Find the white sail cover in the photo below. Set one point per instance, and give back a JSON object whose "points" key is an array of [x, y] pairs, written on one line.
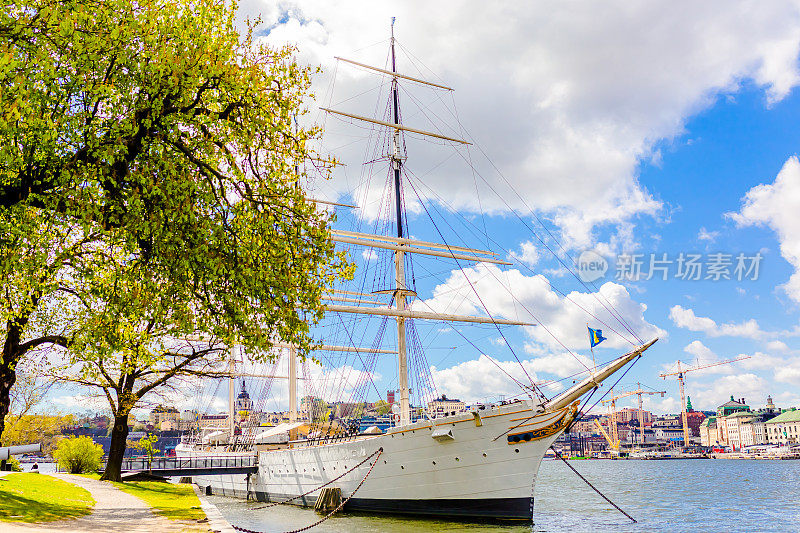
{"points": [[277, 430]]}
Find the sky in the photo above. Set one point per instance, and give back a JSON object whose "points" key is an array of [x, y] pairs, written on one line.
{"points": [[614, 133]]}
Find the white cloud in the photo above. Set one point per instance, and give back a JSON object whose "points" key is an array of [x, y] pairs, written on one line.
{"points": [[528, 255], [369, 254], [709, 236], [700, 351], [775, 206], [512, 295], [777, 346], [749, 386], [686, 318], [658, 405], [82, 402], [481, 379], [578, 94]]}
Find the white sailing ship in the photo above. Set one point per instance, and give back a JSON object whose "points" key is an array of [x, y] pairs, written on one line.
{"points": [[477, 464]]}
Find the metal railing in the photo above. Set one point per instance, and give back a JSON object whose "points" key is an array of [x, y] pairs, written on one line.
{"points": [[188, 463]]}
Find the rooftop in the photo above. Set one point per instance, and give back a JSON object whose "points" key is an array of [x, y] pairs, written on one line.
{"points": [[732, 403], [788, 416], [740, 414]]}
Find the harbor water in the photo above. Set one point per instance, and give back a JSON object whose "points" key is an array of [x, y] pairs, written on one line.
{"points": [[663, 496]]}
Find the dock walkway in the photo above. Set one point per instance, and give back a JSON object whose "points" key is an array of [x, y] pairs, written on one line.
{"points": [[114, 512]]}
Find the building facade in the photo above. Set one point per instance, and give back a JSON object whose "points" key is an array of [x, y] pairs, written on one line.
{"points": [[444, 405], [784, 428]]}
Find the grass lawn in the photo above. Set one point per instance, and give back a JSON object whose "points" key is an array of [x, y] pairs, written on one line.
{"points": [[176, 502], [39, 498]]}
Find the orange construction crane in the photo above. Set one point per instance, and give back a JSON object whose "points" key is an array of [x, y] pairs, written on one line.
{"points": [[639, 392], [680, 373]]}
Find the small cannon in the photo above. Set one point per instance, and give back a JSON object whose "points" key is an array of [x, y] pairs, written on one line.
{"points": [[7, 451]]}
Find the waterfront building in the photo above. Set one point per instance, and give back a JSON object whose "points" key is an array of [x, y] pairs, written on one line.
{"points": [[734, 423], [668, 434], [737, 426], [188, 414], [708, 431], [753, 433], [161, 413], [630, 414], [784, 428], [444, 406], [176, 425], [634, 436], [732, 406], [312, 407]]}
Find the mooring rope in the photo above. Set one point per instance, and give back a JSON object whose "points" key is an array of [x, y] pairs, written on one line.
{"points": [[337, 478], [592, 486], [340, 506]]}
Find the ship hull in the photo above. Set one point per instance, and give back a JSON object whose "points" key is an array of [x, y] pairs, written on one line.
{"points": [[467, 466]]}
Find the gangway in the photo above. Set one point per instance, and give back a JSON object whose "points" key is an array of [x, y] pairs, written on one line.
{"points": [[192, 466]]}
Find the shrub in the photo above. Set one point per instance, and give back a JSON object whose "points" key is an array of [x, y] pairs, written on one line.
{"points": [[77, 455], [14, 462]]}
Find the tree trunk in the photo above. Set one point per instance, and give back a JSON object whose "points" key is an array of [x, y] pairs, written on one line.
{"points": [[7, 379], [119, 441], [8, 374]]}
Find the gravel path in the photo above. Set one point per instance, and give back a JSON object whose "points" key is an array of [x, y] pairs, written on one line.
{"points": [[114, 512]]}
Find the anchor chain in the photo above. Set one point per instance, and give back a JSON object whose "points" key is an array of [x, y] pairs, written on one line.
{"points": [[339, 508]]}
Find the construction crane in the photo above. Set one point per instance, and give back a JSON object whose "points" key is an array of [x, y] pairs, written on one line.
{"points": [[639, 392], [681, 376], [614, 444], [612, 419]]}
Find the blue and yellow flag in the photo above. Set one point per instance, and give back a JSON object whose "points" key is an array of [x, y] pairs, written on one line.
{"points": [[595, 337]]}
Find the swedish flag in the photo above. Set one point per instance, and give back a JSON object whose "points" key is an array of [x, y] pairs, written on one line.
{"points": [[595, 337]]}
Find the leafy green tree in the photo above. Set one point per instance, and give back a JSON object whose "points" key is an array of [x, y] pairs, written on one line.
{"points": [[321, 412], [42, 265], [78, 455], [147, 445], [27, 429], [382, 407], [159, 130]]}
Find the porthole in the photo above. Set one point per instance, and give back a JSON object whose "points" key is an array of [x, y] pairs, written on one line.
{"points": [[457, 459], [516, 450], [484, 454], [402, 467]]}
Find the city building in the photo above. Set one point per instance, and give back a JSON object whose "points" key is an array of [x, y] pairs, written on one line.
{"points": [[629, 414], [734, 423], [312, 407], [161, 413], [784, 428], [708, 431], [243, 404], [737, 426], [443, 405]]}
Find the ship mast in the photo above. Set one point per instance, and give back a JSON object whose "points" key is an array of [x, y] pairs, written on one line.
{"points": [[399, 255], [402, 244]]}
